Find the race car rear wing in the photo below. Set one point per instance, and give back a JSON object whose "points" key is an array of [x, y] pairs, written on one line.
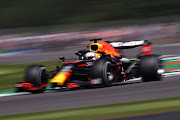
{"points": [[146, 46], [131, 44]]}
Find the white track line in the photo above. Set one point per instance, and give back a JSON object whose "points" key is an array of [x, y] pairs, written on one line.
{"points": [[170, 58], [165, 56], [171, 74], [13, 94]]}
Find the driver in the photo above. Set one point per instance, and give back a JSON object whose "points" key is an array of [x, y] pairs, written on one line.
{"points": [[92, 55]]}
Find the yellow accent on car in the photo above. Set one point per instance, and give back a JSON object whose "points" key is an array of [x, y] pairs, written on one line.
{"points": [[60, 78], [99, 47]]}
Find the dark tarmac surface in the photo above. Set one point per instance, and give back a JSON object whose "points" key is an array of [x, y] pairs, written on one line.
{"points": [[160, 116], [169, 87]]}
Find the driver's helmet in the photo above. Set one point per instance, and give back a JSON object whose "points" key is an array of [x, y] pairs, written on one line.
{"points": [[92, 56]]}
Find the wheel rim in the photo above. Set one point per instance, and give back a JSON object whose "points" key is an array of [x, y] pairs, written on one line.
{"points": [[160, 69], [44, 76], [41, 78], [109, 73]]}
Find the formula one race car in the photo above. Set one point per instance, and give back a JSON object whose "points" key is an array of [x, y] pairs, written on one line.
{"points": [[103, 64]]}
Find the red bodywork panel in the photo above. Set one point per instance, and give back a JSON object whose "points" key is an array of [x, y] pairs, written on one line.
{"points": [[71, 62], [29, 86], [81, 65], [72, 85], [146, 50]]}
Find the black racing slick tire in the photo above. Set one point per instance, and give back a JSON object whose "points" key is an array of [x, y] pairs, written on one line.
{"points": [[103, 69], [150, 68], [37, 75]]}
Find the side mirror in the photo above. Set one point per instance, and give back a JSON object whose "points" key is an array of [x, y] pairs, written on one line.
{"points": [[62, 58]]}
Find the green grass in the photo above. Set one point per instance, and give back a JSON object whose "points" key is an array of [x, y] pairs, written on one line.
{"points": [[12, 73], [104, 111], [28, 13]]}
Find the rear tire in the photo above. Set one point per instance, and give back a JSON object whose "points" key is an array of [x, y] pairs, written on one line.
{"points": [[103, 69], [37, 75], [150, 67]]}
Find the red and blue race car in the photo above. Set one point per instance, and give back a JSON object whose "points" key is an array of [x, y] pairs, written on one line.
{"points": [[102, 65]]}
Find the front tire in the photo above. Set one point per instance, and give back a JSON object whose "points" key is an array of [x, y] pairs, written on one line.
{"points": [[37, 75]]}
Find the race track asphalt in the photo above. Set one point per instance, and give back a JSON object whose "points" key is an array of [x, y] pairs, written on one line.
{"points": [[169, 87]]}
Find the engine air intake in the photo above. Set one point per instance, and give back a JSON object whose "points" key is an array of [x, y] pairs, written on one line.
{"points": [[94, 47]]}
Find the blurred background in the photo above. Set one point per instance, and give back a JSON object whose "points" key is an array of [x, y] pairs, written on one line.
{"points": [[49, 26], [39, 31]]}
